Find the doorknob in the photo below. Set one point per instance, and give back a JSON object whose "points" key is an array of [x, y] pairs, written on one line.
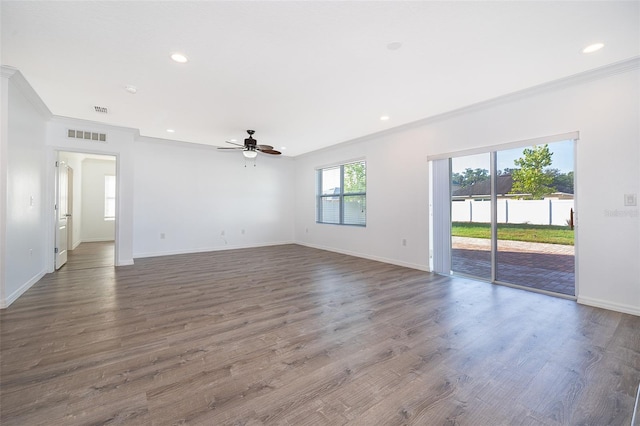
{"points": [[67, 215]]}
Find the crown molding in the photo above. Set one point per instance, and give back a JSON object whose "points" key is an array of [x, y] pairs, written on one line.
{"points": [[94, 125], [15, 76], [621, 67], [572, 80]]}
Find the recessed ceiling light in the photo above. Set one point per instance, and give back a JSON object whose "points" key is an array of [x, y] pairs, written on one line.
{"points": [[283, 148], [384, 118], [593, 48], [131, 89], [179, 57], [394, 46], [171, 131]]}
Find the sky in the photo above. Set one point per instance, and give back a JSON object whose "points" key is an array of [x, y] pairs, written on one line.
{"points": [[562, 158]]}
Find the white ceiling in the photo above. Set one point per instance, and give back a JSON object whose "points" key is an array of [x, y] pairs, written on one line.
{"points": [[304, 75]]}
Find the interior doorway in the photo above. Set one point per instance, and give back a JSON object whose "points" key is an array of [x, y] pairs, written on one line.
{"points": [[86, 213]]}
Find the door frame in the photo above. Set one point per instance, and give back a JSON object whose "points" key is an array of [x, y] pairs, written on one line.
{"points": [[440, 242], [52, 188], [60, 165]]}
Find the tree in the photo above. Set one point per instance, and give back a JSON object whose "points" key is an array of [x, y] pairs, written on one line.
{"points": [[530, 178], [506, 171], [355, 177], [562, 182], [470, 176]]}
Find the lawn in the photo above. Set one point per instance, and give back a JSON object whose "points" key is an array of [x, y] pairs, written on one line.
{"points": [[515, 232]]}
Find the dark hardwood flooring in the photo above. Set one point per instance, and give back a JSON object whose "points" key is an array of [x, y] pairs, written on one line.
{"points": [[291, 335], [90, 256]]}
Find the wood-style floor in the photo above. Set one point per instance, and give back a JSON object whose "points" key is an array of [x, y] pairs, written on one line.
{"points": [[291, 335]]}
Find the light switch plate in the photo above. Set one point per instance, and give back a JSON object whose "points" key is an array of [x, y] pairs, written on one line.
{"points": [[630, 200]]}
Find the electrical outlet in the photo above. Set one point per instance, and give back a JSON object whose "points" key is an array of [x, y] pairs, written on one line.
{"points": [[222, 233], [242, 232], [162, 236], [630, 200], [404, 242]]}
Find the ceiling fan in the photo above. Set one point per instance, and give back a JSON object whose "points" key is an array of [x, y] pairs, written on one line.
{"points": [[251, 148]]}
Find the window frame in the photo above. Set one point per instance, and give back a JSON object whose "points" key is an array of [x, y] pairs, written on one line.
{"points": [[341, 196], [107, 198]]}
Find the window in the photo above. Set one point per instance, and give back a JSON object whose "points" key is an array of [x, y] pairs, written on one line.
{"points": [[109, 197], [342, 194]]}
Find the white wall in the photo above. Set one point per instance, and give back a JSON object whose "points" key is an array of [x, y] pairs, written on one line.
{"points": [[193, 193], [24, 249], [602, 105], [119, 144], [397, 202], [94, 227]]}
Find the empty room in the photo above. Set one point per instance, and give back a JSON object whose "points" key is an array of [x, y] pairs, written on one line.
{"points": [[320, 213]]}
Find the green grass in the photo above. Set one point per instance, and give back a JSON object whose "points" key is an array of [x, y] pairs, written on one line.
{"points": [[516, 232]]}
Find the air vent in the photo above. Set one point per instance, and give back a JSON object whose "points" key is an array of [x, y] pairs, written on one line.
{"points": [[101, 110], [86, 135]]}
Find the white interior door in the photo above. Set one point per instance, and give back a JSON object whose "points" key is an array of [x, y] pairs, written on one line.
{"points": [[62, 208]]}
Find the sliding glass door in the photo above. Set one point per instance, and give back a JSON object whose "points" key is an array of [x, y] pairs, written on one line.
{"points": [[471, 215], [512, 216], [535, 232]]}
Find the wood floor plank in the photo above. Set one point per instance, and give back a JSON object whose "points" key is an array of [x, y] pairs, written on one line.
{"points": [[297, 336]]}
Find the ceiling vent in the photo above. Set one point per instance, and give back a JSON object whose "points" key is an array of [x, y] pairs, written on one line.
{"points": [[101, 110], [89, 136]]}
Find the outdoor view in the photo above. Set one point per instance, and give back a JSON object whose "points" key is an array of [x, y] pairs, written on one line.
{"points": [[342, 194], [534, 206]]}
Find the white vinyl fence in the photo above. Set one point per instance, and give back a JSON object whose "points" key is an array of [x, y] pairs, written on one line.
{"points": [[535, 212]]}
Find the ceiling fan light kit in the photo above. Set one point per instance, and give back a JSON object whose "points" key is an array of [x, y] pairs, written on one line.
{"points": [[249, 153], [251, 148]]}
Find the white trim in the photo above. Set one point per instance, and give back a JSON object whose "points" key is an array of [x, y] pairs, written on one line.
{"points": [[25, 88], [618, 307], [636, 408], [4, 151], [51, 187], [572, 80], [341, 163], [509, 145], [98, 240], [72, 123], [208, 249], [419, 267], [24, 287]]}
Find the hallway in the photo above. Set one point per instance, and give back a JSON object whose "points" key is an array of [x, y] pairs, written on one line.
{"points": [[90, 256]]}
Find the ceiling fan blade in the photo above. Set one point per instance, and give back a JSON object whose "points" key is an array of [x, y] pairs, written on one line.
{"points": [[270, 151], [225, 147], [264, 147], [236, 144]]}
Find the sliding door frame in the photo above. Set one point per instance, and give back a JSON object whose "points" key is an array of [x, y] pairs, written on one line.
{"points": [[441, 236]]}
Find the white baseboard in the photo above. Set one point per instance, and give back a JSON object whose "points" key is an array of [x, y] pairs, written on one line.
{"points": [[207, 249], [370, 257], [24, 287], [635, 418], [604, 304], [96, 240]]}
